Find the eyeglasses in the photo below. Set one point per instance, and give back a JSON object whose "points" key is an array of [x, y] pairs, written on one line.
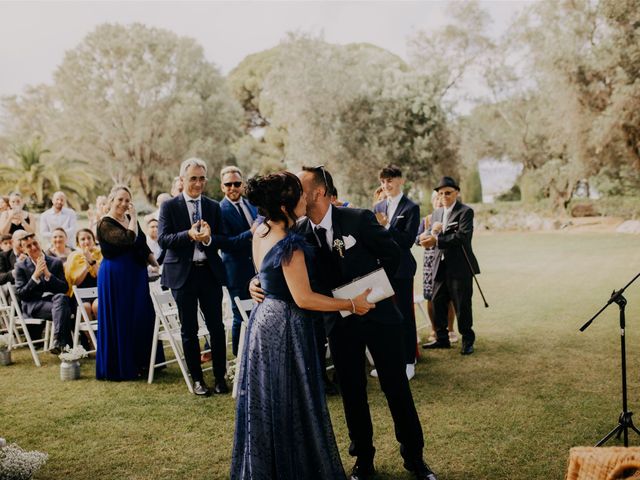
{"points": [[447, 193], [324, 176], [235, 184], [197, 179]]}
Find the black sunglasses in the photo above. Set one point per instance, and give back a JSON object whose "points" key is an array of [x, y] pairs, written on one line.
{"points": [[235, 184], [324, 176]]}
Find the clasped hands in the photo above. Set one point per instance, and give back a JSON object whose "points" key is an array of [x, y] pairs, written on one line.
{"points": [[382, 218], [41, 269], [430, 240], [200, 232]]}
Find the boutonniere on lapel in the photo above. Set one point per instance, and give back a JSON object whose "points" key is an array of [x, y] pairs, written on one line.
{"points": [[338, 245]]}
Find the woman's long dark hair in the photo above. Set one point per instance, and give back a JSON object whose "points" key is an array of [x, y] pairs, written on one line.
{"points": [[271, 192]]}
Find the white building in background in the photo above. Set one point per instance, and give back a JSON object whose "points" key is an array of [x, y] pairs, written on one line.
{"points": [[497, 176]]}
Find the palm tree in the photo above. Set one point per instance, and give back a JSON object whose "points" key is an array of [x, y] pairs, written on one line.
{"points": [[38, 178]]}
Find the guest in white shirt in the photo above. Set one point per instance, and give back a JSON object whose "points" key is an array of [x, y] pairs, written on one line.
{"points": [[59, 216]]}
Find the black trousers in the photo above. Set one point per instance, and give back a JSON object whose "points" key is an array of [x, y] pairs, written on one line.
{"points": [[348, 340], [56, 308], [202, 287], [404, 301], [459, 290]]}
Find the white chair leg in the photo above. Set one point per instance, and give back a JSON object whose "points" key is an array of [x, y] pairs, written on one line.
{"points": [[154, 350]]}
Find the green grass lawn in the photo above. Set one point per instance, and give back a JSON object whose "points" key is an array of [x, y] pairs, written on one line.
{"points": [[535, 387]]}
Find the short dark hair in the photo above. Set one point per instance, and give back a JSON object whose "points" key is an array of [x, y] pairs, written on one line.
{"points": [[271, 192], [85, 230], [390, 171], [321, 178], [152, 220], [4, 237]]}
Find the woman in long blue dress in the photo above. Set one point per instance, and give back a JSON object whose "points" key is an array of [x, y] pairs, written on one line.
{"points": [[125, 311], [283, 428]]}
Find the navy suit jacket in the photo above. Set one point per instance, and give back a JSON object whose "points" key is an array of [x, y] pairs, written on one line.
{"points": [[236, 251], [173, 225], [374, 248], [29, 292], [403, 229], [455, 241]]}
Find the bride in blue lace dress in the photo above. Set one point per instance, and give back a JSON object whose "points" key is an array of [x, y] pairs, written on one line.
{"points": [[283, 428]]}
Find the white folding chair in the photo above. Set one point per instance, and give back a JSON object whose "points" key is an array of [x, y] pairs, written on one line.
{"points": [[167, 331], [18, 323], [245, 307], [83, 322], [5, 314], [227, 315]]}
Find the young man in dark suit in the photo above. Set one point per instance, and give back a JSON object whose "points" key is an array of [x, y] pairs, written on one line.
{"points": [[454, 265], [401, 217], [238, 216], [190, 226], [42, 289]]}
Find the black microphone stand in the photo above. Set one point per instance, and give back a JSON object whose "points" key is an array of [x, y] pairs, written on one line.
{"points": [[624, 421]]}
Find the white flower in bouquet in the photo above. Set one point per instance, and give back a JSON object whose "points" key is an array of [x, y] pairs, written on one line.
{"points": [[231, 371], [73, 354], [16, 464], [4, 341]]}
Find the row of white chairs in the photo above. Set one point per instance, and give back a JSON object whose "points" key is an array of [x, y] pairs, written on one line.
{"points": [[16, 324]]}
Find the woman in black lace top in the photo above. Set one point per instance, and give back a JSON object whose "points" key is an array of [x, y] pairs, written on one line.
{"points": [[125, 312]]}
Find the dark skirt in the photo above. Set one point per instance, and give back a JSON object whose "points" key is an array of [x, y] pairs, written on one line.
{"points": [[283, 428], [125, 319]]}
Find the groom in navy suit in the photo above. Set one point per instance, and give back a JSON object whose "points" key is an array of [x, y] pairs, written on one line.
{"points": [[401, 217], [238, 216], [190, 231]]}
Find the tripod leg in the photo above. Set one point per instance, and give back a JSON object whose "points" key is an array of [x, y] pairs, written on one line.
{"points": [[613, 432]]}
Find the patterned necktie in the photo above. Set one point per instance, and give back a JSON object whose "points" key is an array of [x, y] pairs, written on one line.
{"points": [[243, 218], [196, 217]]}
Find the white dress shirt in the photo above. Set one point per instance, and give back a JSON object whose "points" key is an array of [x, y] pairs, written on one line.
{"points": [[327, 224], [392, 206], [65, 218], [243, 208], [198, 255]]}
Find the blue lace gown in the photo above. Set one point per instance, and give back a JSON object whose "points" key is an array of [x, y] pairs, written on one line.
{"points": [[283, 428]]}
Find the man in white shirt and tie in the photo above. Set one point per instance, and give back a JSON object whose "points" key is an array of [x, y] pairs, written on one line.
{"points": [[190, 231], [401, 217], [454, 265], [238, 216]]}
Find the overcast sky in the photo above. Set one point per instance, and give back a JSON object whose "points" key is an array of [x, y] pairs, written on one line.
{"points": [[35, 35]]}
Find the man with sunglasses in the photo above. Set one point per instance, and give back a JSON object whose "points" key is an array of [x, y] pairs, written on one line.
{"points": [[238, 216], [454, 265]]}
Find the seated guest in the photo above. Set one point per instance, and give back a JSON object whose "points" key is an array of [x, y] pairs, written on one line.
{"points": [[334, 199], [9, 259], [81, 268], [152, 240], [58, 216], [16, 218], [5, 242], [95, 214], [42, 288], [163, 197], [4, 203], [58, 247]]}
